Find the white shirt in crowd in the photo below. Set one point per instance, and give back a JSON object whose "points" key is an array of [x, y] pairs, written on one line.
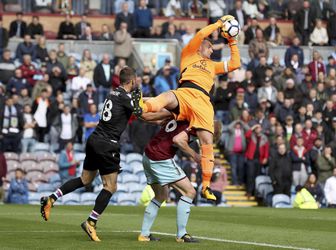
{"points": [[66, 133], [173, 4], [79, 83], [40, 115], [319, 36], [330, 190], [107, 70], [252, 10], [28, 132], [216, 8]]}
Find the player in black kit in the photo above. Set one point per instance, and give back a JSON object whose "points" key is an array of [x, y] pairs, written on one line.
{"points": [[102, 153]]}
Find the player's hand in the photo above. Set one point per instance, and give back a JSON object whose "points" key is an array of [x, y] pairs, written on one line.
{"points": [[232, 40], [224, 19], [197, 158]]}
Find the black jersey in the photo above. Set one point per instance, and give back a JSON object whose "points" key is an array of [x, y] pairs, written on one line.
{"points": [[115, 114]]}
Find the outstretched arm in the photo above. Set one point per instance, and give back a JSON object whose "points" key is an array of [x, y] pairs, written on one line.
{"points": [[157, 117], [181, 140]]}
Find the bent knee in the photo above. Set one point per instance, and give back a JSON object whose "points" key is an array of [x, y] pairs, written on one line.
{"points": [[112, 188], [191, 193]]}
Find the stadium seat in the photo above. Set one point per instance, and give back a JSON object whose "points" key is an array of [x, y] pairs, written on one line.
{"points": [[127, 178], [80, 156], [45, 156], [10, 176], [32, 173], [123, 188], [29, 165], [12, 165], [11, 156], [136, 188], [27, 157], [71, 199], [38, 178], [45, 187], [34, 198], [79, 148], [55, 180], [32, 187], [137, 167], [49, 166], [281, 201], [126, 168], [88, 198], [126, 198], [42, 147], [133, 157], [143, 179], [122, 158], [263, 186]]}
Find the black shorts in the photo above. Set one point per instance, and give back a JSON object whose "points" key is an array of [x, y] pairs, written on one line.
{"points": [[102, 155]]}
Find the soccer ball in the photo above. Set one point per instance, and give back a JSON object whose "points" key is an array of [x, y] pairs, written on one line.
{"points": [[231, 29]]}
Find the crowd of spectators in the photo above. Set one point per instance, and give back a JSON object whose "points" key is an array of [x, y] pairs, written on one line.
{"points": [[279, 119]]}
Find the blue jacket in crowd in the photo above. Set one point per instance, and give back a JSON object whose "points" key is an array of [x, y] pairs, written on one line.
{"points": [[18, 192], [143, 18]]}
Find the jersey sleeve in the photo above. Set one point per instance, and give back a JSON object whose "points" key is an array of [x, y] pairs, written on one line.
{"points": [[221, 67], [127, 103]]}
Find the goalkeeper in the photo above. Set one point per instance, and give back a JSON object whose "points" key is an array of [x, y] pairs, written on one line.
{"points": [[191, 101]]}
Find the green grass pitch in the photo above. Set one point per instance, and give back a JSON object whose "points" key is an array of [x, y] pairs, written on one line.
{"points": [[21, 227]]}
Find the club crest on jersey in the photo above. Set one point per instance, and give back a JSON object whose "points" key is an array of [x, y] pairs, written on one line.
{"points": [[171, 126], [202, 66]]}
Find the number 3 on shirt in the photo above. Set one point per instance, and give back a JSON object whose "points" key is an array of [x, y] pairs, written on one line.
{"points": [[107, 110]]}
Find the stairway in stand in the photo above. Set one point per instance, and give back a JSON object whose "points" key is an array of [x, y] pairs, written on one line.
{"points": [[235, 195]]}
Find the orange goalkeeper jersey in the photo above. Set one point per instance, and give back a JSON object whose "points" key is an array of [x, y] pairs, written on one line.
{"points": [[200, 70]]}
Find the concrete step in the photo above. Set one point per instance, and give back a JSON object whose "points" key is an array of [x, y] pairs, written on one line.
{"points": [[235, 192], [238, 198], [242, 203]]}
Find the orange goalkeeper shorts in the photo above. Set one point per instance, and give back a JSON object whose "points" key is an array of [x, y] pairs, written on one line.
{"points": [[195, 107]]}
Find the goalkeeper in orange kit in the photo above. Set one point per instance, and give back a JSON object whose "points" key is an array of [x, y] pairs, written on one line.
{"points": [[191, 101]]}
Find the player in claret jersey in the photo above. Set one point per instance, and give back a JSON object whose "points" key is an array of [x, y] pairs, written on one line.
{"points": [[162, 171]]}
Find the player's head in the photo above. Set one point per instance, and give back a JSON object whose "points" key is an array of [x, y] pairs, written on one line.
{"points": [[127, 77], [206, 48]]}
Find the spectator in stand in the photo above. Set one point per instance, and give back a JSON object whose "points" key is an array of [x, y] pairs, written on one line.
{"points": [[118, 5], [66, 29], [25, 98], [66, 126], [17, 82], [251, 30], [240, 15], [326, 164], [122, 43], [259, 73], [237, 105], [314, 188], [218, 180], [40, 50], [67, 163], [39, 85], [295, 49], [174, 8], [11, 124], [272, 33], [236, 147], [316, 66], [261, 119], [331, 27], [79, 83], [322, 9], [25, 47], [218, 45], [88, 64], [195, 8], [268, 91], [61, 55], [251, 9], [165, 81], [80, 27], [3, 36], [330, 190], [280, 171], [115, 78], [309, 134], [304, 22], [3, 173], [18, 189], [143, 20], [258, 47], [300, 162], [57, 80], [165, 25], [173, 33], [35, 28], [7, 67], [257, 154], [157, 32], [18, 27], [28, 70], [102, 77], [28, 138], [125, 17], [279, 9], [88, 36], [86, 98], [40, 110], [216, 9], [190, 34], [319, 36], [105, 34], [222, 101], [91, 121], [277, 68], [251, 97]]}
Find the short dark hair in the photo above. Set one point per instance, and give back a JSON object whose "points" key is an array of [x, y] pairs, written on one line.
{"points": [[126, 75]]}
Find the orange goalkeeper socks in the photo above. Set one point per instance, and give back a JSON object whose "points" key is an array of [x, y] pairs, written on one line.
{"points": [[207, 164]]}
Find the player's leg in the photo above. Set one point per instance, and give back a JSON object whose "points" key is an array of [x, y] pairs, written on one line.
{"points": [[166, 100], [188, 192], [207, 162], [68, 187], [151, 212], [102, 200]]}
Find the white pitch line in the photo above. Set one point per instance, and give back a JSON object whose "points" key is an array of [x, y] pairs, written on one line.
{"points": [[169, 234]]}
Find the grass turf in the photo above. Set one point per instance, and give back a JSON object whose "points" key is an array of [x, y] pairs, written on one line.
{"points": [[21, 227]]}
